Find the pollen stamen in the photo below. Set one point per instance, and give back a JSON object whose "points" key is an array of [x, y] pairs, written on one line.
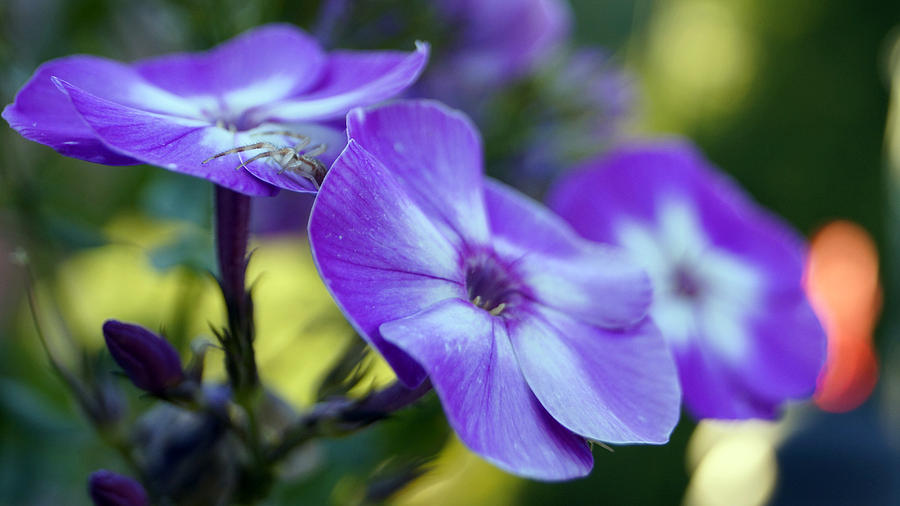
{"points": [[497, 310], [490, 285]]}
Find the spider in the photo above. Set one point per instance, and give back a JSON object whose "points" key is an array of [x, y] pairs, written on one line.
{"points": [[289, 159]]}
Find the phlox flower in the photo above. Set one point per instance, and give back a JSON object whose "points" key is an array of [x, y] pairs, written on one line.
{"points": [[534, 339], [273, 87], [727, 275], [496, 42]]}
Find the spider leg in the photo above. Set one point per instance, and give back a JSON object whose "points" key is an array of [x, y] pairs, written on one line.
{"points": [[306, 174], [304, 139], [284, 164], [316, 151], [316, 170], [255, 158], [284, 133], [249, 147], [313, 180], [295, 166]]}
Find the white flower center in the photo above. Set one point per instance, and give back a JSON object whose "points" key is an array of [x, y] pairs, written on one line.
{"points": [[702, 292]]}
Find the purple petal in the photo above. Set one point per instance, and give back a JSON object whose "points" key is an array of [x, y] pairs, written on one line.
{"points": [[525, 223], [787, 352], [435, 153], [711, 391], [171, 142], [269, 63], [602, 286], [624, 183], [615, 386], [44, 114], [598, 284], [378, 253], [351, 79], [471, 363], [631, 181], [286, 213]]}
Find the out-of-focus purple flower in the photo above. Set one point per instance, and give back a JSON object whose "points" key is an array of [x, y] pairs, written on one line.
{"points": [[595, 89], [533, 338], [286, 213], [496, 41], [587, 101], [273, 87], [727, 275], [107, 488], [150, 361], [331, 14]]}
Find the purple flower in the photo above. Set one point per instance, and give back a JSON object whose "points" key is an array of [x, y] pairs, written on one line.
{"points": [[596, 91], [286, 213], [533, 338], [582, 110], [149, 361], [107, 488], [727, 274], [497, 41], [272, 88]]}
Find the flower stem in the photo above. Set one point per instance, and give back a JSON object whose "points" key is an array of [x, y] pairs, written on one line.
{"points": [[232, 232], [232, 223]]}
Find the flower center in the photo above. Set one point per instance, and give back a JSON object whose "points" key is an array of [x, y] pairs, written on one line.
{"points": [[489, 284], [233, 119], [229, 121], [685, 283]]}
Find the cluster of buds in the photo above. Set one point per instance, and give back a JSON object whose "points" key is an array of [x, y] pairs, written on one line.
{"points": [[204, 444]]}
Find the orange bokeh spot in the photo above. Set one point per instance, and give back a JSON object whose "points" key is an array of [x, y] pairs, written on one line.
{"points": [[842, 284]]}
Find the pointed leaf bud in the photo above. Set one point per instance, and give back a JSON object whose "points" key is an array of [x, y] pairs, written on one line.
{"points": [[150, 361], [107, 488]]}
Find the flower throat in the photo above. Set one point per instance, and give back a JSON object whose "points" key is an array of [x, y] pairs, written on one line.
{"points": [[489, 285]]}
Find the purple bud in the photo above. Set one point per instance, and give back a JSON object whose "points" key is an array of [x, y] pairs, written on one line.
{"points": [[107, 488], [150, 361]]}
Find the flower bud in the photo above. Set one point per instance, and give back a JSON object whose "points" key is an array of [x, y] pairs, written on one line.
{"points": [[107, 488], [150, 361], [188, 457]]}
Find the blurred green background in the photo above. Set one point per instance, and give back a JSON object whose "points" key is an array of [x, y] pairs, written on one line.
{"points": [[789, 96]]}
